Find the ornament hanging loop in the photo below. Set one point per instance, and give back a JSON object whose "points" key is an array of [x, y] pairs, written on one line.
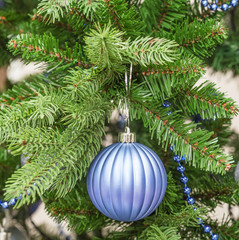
{"points": [[128, 86]]}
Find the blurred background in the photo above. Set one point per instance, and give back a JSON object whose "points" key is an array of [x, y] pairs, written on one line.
{"points": [[32, 222]]}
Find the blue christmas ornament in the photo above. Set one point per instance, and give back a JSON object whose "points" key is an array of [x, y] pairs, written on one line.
{"points": [[126, 181]]}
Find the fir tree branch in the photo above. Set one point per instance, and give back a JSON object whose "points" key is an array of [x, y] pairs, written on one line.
{"points": [[53, 10], [124, 17], [165, 81], [164, 233], [116, 19], [214, 190], [49, 167], [105, 48], [78, 138], [17, 94], [206, 101], [186, 216], [39, 48], [74, 206], [152, 51], [200, 38], [162, 14], [227, 230], [198, 147], [11, 120], [40, 18]]}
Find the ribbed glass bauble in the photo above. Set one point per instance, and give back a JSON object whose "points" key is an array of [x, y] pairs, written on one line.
{"points": [[126, 181]]}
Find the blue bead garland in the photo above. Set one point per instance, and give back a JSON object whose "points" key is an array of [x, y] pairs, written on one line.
{"points": [[187, 191], [184, 179], [214, 6], [12, 201]]}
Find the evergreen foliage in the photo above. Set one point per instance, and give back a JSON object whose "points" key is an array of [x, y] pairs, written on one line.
{"points": [[57, 119], [226, 55], [13, 17]]}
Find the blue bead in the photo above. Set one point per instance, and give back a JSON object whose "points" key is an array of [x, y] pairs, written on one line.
{"points": [[204, 3], [194, 209], [213, 7], [200, 221], [190, 200], [184, 179], [170, 112], [181, 169], [207, 229], [234, 3], [171, 148], [183, 158], [214, 237], [4, 205], [176, 158], [187, 190], [12, 202], [224, 7], [166, 104]]}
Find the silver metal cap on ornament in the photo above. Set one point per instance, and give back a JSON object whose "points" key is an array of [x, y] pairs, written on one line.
{"points": [[127, 136]]}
